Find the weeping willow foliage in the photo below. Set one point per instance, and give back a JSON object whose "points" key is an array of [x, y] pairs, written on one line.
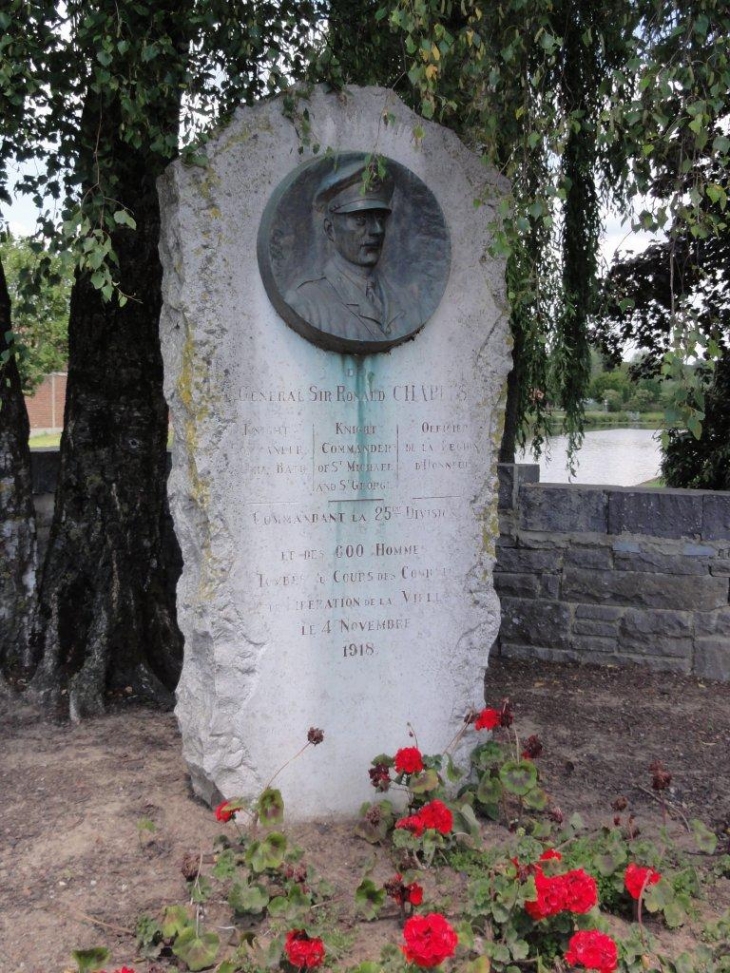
{"points": [[584, 106]]}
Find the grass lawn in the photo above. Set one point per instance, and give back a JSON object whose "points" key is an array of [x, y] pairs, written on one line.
{"points": [[45, 440]]}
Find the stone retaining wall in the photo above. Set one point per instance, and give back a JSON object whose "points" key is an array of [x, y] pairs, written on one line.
{"points": [[612, 575]]}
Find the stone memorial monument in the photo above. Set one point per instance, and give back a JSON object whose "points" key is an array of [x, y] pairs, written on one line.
{"points": [[335, 344]]}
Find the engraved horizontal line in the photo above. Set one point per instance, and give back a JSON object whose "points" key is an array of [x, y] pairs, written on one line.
{"points": [[446, 496], [358, 500]]}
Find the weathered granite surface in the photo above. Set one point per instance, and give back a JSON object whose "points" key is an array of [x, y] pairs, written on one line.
{"points": [[336, 513]]}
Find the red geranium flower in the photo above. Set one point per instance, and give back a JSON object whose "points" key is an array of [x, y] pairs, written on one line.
{"points": [[402, 894], [302, 951], [580, 891], [429, 940], [434, 815], [414, 893], [488, 719], [224, 812], [408, 760], [550, 854], [437, 816], [412, 823], [637, 879], [594, 950], [550, 896]]}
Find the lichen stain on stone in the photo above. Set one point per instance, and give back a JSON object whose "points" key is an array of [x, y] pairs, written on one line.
{"points": [[198, 405], [245, 135]]}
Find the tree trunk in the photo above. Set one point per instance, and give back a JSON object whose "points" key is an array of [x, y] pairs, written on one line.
{"points": [[18, 552], [107, 600]]}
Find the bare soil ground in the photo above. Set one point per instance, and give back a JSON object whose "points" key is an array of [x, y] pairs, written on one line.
{"points": [[95, 819]]}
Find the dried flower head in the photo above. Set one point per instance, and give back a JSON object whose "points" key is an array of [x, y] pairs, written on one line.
{"points": [[660, 776], [620, 804], [533, 747], [555, 814], [380, 777], [190, 866], [315, 735], [506, 713]]}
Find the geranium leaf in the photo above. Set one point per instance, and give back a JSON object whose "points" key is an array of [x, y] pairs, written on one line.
{"points": [[424, 782], [536, 799], [518, 776], [248, 898], [453, 773], [198, 951], [369, 899], [91, 959], [271, 807], [267, 854], [175, 918], [705, 839], [490, 789]]}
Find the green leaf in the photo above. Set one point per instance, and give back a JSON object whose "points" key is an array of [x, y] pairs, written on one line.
{"points": [[453, 773], [490, 789], [369, 899], [536, 799], [270, 808], [465, 821], [175, 919], [705, 840], [267, 854], [427, 780], [518, 776], [124, 218], [291, 905], [248, 899], [91, 959], [198, 951]]}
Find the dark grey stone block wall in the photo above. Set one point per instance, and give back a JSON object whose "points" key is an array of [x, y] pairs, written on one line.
{"points": [[614, 575]]}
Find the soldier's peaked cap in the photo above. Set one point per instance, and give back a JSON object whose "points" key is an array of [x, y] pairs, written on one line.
{"points": [[351, 188]]}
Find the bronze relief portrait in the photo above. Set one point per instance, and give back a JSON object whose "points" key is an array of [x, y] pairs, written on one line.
{"points": [[354, 254]]}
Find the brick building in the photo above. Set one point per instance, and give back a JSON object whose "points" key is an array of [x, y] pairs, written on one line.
{"points": [[45, 406]]}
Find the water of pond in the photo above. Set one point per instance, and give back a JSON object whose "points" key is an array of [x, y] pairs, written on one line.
{"points": [[616, 457]]}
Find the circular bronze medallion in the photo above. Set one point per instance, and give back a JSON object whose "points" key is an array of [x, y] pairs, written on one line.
{"points": [[354, 252]]}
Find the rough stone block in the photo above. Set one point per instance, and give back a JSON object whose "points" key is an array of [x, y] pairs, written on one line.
{"points": [[563, 508], [545, 623], [550, 586], [642, 589], [656, 633], [511, 477], [591, 626], [712, 623], [650, 561], [661, 663], [716, 516], [516, 585], [720, 568], [604, 613], [520, 559], [595, 558], [595, 645], [513, 650], [657, 513], [712, 659]]}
